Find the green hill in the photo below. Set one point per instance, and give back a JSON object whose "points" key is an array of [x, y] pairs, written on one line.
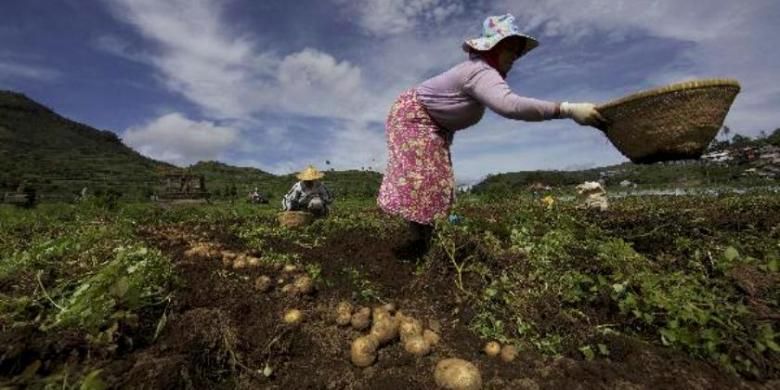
{"points": [[744, 155], [58, 157]]}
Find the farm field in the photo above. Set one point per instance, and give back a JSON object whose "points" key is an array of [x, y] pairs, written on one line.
{"points": [[673, 292]]}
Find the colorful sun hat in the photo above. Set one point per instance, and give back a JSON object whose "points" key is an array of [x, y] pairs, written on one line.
{"points": [[494, 30], [310, 173]]}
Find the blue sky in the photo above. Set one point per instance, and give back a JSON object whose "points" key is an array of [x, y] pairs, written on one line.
{"points": [[281, 84]]}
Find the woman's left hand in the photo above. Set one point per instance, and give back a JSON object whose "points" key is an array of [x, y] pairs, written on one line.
{"points": [[584, 114]]}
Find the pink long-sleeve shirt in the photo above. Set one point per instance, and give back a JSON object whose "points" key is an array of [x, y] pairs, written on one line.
{"points": [[456, 99]]}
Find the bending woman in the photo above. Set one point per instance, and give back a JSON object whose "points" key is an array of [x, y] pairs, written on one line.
{"points": [[418, 183]]}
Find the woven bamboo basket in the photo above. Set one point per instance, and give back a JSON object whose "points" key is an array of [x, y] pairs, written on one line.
{"points": [[295, 218], [674, 122]]}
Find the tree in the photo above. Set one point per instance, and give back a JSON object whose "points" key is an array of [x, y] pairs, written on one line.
{"points": [[774, 138], [740, 140]]}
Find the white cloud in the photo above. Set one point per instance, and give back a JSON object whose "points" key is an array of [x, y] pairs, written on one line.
{"points": [[389, 17], [11, 70], [224, 72], [529, 147], [723, 38], [179, 140], [230, 74], [693, 20]]}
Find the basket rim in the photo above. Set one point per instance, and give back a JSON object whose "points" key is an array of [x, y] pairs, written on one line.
{"points": [[682, 86]]}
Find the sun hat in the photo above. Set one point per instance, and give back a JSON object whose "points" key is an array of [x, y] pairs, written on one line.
{"points": [[310, 173], [494, 30]]}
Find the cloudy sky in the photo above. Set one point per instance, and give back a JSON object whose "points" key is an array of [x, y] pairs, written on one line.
{"points": [[279, 84]]}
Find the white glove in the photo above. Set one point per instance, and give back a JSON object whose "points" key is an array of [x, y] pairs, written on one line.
{"points": [[582, 113]]}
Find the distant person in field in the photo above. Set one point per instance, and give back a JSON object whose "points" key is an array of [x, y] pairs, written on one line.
{"points": [[418, 182], [309, 194]]}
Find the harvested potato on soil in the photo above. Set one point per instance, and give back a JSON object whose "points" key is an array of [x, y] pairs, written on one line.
{"points": [[361, 319], [239, 263], [288, 288], [416, 345], [492, 349], [290, 268], [253, 262], [457, 374], [293, 317], [390, 307], [385, 330], [409, 327], [431, 337], [508, 353], [344, 313], [363, 352], [379, 313], [303, 285], [263, 283]]}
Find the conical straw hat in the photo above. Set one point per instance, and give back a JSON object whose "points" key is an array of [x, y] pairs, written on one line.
{"points": [[310, 173]]}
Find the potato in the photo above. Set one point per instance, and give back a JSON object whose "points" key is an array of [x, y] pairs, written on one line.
{"points": [[196, 250], [390, 307], [431, 337], [303, 285], [289, 268], [363, 351], [416, 345], [361, 319], [293, 317], [457, 374], [263, 283], [239, 263], [409, 327], [227, 262], [492, 349], [385, 330], [253, 262], [344, 313], [379, 313], [508, 353], [288, 289], [229, 254]]}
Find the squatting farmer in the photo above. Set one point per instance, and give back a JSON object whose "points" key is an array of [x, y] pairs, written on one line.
{"points": [[418, 182], [309, 194]]}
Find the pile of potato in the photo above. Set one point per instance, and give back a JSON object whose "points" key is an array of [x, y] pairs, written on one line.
{"points": [[508, 352], [386, 326]]}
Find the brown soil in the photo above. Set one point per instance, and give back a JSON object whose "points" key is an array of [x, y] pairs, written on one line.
{"points": [[222, 333]]}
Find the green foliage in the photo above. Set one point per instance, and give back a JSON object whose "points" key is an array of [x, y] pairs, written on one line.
{"points": [[136, 277], [675, 271], [567, 275]]}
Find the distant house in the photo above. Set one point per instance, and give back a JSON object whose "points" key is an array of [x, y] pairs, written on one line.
{"points": [[183, 186], [465, 187], [749, 153], [539, 187], [627, 183], [718, 157]]}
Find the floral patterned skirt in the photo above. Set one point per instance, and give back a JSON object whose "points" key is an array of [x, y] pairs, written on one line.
{"points": [[418, 183]]}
